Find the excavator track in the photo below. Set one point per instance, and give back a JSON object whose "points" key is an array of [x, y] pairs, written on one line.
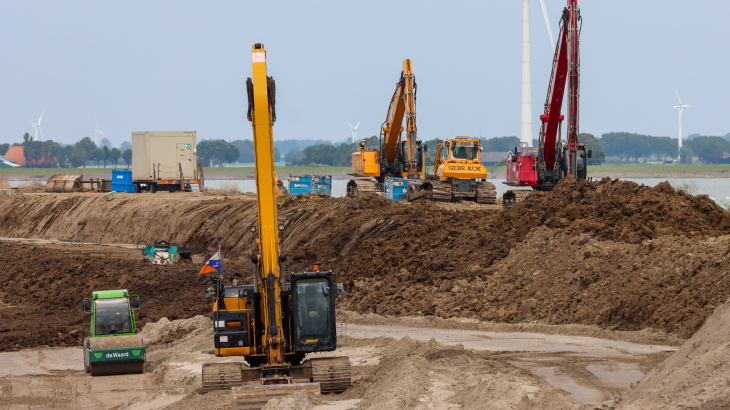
{"points": [[440, 191], [332, 373], [511, 197], [221, 376], [486, 193], [357, 187]]}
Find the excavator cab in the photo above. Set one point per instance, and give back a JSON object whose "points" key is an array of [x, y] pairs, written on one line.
{"points": [[581, 164], [313, 311], [464, 150], [583, 155]]}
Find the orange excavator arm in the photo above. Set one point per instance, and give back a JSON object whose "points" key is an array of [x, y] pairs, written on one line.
{"points": [[402, 104], [409, 97]]}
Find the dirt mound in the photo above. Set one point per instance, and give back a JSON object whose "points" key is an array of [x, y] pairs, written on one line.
{"points": [[624, 211], [671, 284], [594, 265], [695, 376], [43, 286]]}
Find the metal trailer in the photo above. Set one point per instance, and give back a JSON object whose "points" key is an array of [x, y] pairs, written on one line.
{"points": [[166, 161]]}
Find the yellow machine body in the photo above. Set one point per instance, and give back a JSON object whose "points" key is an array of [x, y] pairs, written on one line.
{"points": [[459, 158]]}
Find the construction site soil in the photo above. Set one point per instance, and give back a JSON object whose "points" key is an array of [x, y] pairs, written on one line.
{"points": [[652, 263], [609, 253]]}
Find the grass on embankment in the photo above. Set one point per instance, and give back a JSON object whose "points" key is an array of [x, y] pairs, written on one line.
{"points": [[594, 170], [674, 168]]}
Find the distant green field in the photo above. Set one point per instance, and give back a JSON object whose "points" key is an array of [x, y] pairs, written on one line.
{"points": [[604, 169], [656, 169], [280, 170], [593, 170], [206, 170], [51, 171]]}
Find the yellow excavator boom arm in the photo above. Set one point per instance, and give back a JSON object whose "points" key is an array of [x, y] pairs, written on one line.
{"points": [[268, 281]]}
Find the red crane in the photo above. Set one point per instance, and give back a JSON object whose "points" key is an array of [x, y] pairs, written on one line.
{"points": [[542, 167]]}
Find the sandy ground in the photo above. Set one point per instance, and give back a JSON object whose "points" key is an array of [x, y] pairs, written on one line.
{"points": [[394, 366]]}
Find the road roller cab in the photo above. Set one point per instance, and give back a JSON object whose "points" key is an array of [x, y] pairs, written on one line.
{"points": [[113, 347]]}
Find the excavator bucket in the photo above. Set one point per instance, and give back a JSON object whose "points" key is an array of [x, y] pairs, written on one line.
{"points": [[511, 197], [114, 355]]}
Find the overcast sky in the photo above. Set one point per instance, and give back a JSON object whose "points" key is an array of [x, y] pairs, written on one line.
{"points": [[182, 65]]}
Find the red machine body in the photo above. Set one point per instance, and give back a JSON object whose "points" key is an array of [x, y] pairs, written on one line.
{"points": [[542, 167]]}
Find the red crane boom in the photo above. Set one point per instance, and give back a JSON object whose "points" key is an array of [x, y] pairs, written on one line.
{"points": [[542, 167]]}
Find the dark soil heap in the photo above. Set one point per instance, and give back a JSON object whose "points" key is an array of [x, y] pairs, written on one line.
{"points": [[423, 259], [608, 253]]}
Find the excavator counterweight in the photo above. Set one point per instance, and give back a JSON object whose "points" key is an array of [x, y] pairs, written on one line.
{"points": [[273, 323]]}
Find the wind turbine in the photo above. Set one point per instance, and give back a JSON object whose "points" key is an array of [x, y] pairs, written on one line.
{"points": [[37, 126], [354, 131], [96, 130], [526, 117], [680, 107]]}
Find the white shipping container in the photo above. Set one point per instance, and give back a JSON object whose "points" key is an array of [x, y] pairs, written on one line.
{"points": [[160, 154]]}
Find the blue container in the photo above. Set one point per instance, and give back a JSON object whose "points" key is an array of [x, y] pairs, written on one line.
{"points": [[322, 184], [300, 185], [122, 180], [396, 189]]}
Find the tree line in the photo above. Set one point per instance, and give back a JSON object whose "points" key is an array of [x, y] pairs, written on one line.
{"points": [[628, 146], [51, 154]]}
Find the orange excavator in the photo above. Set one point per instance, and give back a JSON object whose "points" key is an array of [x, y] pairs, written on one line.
{"points": [[393, 159]]}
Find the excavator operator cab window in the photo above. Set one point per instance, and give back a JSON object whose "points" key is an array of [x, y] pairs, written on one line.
{"points": [[313, 305], [581, 169], [111, 316], [466, 150]]}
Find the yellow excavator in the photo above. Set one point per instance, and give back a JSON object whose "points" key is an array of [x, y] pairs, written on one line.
{"points": [[458, 175], [273, 323], [393, 158]]}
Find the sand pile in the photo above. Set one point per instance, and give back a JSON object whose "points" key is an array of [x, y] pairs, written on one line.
{"points": [[300, 400], [416, 375], [697, 376]]}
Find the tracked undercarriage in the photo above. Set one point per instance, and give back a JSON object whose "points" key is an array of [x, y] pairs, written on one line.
{"points": [[362, 186], [331, 373], [481, 192]]}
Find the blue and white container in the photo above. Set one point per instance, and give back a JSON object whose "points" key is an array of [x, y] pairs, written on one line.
{"points": [[396, 189], [322, 184], [122, 180], [300, 185]]}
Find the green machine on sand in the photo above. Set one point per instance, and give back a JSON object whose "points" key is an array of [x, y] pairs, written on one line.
{"points": [[113, 347]]}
